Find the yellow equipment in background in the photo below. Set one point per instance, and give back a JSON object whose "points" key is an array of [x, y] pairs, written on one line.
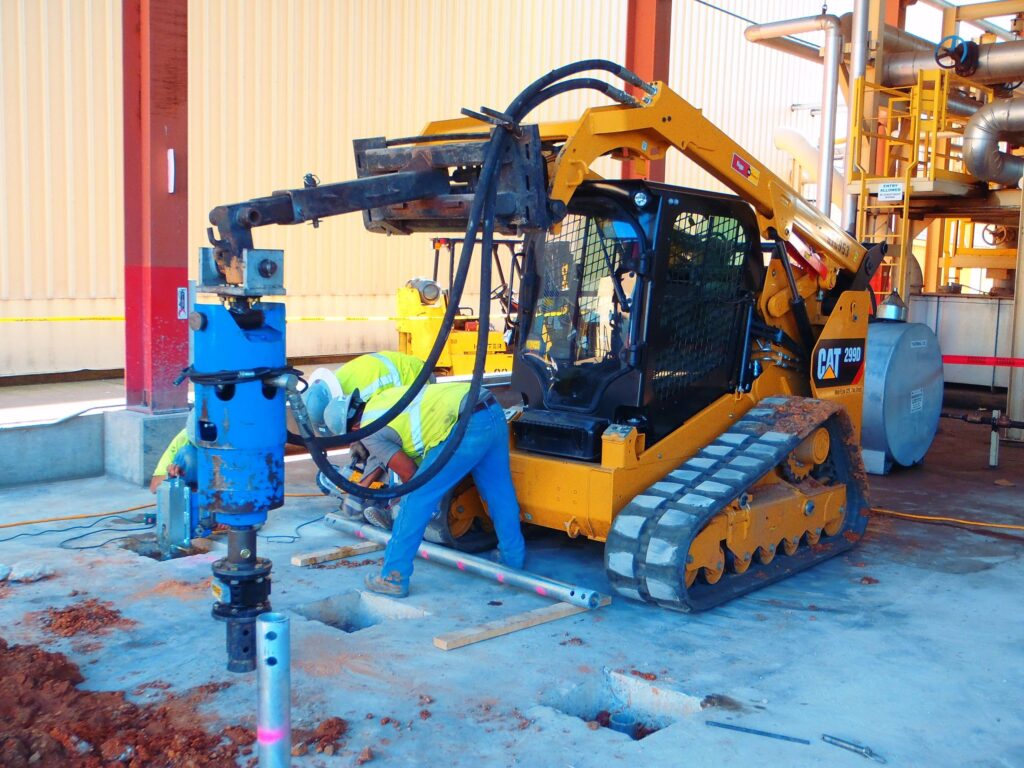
{"points": [[422, 303]]}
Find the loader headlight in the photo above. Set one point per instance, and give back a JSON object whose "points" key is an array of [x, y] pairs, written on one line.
{"points": [[640, 199], [428, 290]]}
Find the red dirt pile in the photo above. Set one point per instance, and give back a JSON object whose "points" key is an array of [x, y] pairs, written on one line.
{"points": [[46, 720], [326, 738], [90, 617]]}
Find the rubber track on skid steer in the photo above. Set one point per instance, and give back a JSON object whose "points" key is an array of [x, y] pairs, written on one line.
{"points": [[647, 546]]}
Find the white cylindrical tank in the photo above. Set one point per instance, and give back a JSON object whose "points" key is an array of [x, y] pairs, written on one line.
{"points": [[902, 395]]}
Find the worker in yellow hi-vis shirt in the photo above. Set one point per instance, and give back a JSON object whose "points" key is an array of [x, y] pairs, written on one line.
{"points": [[178, 460], [358, 380], [349, 388]]}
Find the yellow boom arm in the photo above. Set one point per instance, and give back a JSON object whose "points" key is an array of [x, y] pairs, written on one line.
{"points": [[668, 121]]}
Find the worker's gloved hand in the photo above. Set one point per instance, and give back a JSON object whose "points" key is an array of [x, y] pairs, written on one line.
{"points": [[173, 470], [358, 453]]}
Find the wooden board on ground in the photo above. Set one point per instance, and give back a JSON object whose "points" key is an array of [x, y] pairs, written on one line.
{"points": [[336, 553], [451, 640]]}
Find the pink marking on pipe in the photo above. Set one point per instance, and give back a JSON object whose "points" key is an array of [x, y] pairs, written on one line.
{"points": [[541, 591], [360, 534], [270, 735], [424, 554], [501, 578], [461, 565]]}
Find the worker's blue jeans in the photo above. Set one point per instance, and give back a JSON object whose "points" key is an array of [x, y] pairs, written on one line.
{"points": [[483, 453]]}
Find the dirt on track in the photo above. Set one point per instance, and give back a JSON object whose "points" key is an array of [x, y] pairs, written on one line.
{"points": [[45, 720]]}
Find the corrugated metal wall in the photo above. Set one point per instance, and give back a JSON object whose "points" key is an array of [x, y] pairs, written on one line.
{"points": [[61, 218], [337, 71], [747, 90], [279, 89]]}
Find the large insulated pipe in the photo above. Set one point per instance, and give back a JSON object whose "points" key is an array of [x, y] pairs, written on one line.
{"points": [[531, 582], [796, 145], [998, 121], [274, 690], [997, 63], [833, 54], [858, 69]]}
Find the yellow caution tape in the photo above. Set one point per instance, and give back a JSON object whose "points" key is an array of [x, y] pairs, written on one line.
{"points": [[302, 319], [352, 318], [68, 319]]}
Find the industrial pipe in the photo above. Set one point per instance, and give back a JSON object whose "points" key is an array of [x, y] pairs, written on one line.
{"points": [[274, 684], [1000, 120], [794, 47], [833, 55], [796, 145], [997, 63], [858, 69], [531, 582], [982, 24]]}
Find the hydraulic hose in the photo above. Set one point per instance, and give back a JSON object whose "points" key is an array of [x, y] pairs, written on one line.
{"points": [[488, 176], [580, 83], [451, 444], [515, 109], [481, 217]]}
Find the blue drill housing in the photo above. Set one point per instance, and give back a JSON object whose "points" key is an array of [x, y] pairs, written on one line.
{"points": [[240, 427]]}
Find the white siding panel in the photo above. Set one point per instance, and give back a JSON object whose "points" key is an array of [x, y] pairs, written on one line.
{"points": [[280, 88]]}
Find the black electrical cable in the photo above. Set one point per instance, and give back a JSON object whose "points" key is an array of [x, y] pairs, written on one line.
{"points": [[277, 538], [69, 528], [103, 543], [63, 544]]}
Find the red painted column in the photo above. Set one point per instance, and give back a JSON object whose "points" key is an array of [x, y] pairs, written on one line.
{"points": [[155, 39], [648, 40]]}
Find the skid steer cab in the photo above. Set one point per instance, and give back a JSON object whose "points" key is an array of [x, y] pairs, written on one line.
{"points": [[663, 415]]}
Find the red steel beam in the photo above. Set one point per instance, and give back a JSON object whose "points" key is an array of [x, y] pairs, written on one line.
{"points": [[648, 40], [155, 47]]}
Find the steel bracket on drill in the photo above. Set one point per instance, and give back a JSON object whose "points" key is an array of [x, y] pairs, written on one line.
{"points": [[256, 272]]}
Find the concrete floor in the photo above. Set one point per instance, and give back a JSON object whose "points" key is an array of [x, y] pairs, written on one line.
{"points": [[910, 644]]}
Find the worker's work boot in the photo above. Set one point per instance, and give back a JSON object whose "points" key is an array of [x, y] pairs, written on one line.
{"points": [[392, 585], [379, 515]]}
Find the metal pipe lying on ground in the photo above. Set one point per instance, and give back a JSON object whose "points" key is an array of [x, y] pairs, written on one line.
{"points": [[274, 683], [531, 582]]}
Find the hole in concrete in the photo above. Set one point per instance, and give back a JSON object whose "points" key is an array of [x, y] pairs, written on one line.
{"points": [[353, 611], [145, 545], [624, 703]]}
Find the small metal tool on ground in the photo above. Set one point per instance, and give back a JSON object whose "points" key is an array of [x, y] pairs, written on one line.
{"points": [[756, 732], [849, 745]]}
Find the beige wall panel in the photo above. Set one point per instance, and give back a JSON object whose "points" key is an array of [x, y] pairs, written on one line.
{"points": [[287, 92], [279, 88], [747, 90], [60, 195]]}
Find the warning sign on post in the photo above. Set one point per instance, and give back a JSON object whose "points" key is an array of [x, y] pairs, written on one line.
{"points": [[890, 192]]}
